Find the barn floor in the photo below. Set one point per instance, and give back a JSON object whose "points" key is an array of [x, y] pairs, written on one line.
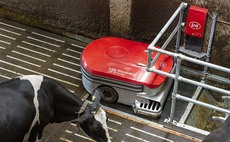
{"points": [[27, 50]]}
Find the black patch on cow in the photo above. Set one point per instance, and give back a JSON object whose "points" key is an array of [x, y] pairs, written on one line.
{"points": [[220, 134], [16, 109], [94, 129]]}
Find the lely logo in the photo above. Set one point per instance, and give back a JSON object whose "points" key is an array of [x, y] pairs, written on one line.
{"points": [[194, 25]]}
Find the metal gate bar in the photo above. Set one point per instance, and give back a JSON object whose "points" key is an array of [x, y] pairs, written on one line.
{"points": [[183, 79], [180, 10], [179, 57]]}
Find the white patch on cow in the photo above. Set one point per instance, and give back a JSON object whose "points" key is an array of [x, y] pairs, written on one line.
{"points": [[38, 140], [36, 82], [101, 117]]}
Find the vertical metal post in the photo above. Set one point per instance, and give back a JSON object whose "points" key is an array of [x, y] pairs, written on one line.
{"points": [[149, 59], [210, 40], [175, 88], [179, 30]]}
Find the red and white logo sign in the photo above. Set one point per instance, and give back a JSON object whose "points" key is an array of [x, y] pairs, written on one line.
{"points": [[163, 64], [194, 25]]}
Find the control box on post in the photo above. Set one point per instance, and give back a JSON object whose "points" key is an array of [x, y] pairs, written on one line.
{"points": [[195, 28]]}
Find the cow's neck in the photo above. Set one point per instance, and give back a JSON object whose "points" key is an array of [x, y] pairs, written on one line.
{"points": [[67, 105]]}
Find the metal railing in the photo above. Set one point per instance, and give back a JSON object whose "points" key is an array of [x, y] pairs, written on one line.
{"points": [[178, 59]]}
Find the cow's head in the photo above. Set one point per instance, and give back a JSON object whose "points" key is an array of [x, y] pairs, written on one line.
{"points": [[93, 120]]}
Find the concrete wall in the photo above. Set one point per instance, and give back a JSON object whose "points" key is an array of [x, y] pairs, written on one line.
{"points": [[120, 11], [149, 16], [139, 20], [88, 17]]}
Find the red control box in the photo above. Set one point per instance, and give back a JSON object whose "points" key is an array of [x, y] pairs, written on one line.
{"points": [[196, 20]]}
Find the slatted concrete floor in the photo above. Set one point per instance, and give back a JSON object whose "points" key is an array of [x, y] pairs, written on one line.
{"points": [[27, 50], [24, 50]]}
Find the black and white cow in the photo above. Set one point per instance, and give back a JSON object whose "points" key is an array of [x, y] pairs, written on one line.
{"points": [[29, 103], [221, 134]]}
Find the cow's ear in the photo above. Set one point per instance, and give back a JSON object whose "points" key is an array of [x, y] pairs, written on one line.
{"points": [[96, 97], [78, 121], [81, 119]]}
